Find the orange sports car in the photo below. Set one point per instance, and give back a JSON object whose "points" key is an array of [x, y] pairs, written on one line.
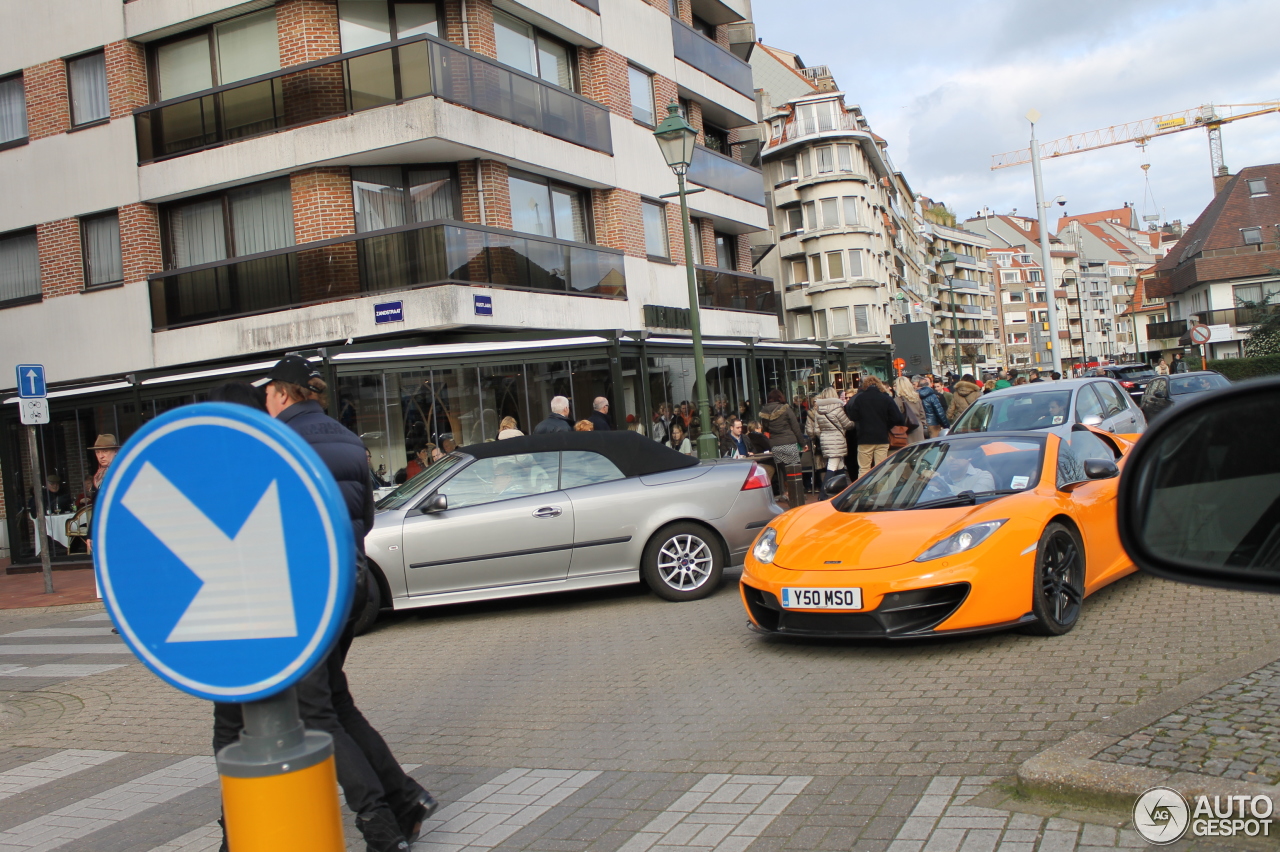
{"points": [[959, 534]]}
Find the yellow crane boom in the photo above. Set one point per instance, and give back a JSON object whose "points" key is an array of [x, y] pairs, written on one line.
{"points": [[1209, 116]]}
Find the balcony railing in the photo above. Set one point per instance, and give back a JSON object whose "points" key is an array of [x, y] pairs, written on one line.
{"points": [[711, 59], [366, 79], [734, 291], [1162, 330], [808, 125], [727, 175], [962, 334], [1237, 316], [408, 257]]}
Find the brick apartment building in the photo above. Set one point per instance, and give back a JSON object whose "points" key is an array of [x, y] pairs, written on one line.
{"points": [[195, 187]]}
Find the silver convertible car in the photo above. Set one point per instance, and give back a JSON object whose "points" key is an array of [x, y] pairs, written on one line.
{"points": [[568, 510]]}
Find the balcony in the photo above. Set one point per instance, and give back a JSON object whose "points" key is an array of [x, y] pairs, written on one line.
{"points": [[702, 53], [727, 175], [810, 125], [1163, 330], [411, 68], [1236, 316], [404, 258], [962, 334], [726, 290]]}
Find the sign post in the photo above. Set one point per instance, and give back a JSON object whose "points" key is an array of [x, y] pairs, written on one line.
{"points": [[33, 408], [230, 573], [1201, 333]]}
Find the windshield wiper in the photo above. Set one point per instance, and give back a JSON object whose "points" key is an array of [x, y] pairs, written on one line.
{"points": [[964, 498]]}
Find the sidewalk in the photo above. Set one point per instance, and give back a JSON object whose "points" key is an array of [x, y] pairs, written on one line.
{"points": [[1215, 734], [71, 586]]}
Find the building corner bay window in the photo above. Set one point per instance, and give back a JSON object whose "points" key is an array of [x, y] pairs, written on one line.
{"points": [[100, 238], [19, 266], [366, 23], [655, 229], [524, 47], [548, 209], [87, 77], [226, 52], [13, 110]]}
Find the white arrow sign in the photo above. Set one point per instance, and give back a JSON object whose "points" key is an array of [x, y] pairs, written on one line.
{"points": [[31, 377], [246, 592]]}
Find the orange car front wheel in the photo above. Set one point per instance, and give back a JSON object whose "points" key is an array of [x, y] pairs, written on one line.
{"points": [[1059, 584]]}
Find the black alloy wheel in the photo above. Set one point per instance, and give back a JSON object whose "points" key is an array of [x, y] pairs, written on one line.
{"points": [[1059, 582]]}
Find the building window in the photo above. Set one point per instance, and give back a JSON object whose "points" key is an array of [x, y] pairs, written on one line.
{"points": [[789, 169], [835, 266], [1252, 236], [1018, 337], [365, 23], [233, 50], [695, 240], [862, 319], [1011, 277], [826, 162], [811, 215], [1013, 296], [706, 28], [830, 212], [550, 209], [642, 109], [1033, 275], [804, 326], [655, 229], [844, 155], [245, 220], [715, 138], [19, 267], [820, 323], [391, 196], [13, 111], [87, 77], [850, 211], [532, 51], [806, 164], [795, 220], [100, 245], [726, 251], [815, 267], [839, 322], [1257, 187], [855, 263], [799, 272]]}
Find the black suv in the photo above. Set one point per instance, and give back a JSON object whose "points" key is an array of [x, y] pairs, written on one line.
{"points": [[1132, 377]]}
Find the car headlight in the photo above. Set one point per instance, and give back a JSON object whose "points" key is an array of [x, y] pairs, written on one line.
{"points": [[766, 547], [966, 539]]}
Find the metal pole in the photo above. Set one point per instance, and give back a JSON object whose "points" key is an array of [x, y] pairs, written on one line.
{"points": [[1084, 332], [955, 324], [279, 784], [42, 538], [1046, 256], [707, 442]]}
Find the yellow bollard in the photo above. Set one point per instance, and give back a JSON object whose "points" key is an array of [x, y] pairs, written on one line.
{"points": [[294, 812]]}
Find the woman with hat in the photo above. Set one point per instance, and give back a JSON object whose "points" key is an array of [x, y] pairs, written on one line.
{"points": [[104, 450]]}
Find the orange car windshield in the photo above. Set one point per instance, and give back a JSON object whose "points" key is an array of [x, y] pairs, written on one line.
{"points": [[952, 471]]}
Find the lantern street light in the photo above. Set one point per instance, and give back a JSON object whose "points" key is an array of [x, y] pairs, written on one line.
{"points": [[948, 264], [677, 139]]}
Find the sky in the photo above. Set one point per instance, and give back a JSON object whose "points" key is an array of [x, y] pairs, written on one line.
{"points": [[948, 85]]}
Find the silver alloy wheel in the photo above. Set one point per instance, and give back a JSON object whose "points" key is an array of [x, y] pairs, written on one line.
{"points": [[685, 562]]}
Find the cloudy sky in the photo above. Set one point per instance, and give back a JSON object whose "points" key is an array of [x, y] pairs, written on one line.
{"points": [[948, 84]]}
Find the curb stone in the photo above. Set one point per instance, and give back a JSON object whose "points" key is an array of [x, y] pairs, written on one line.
{"points": [[1068, 772]]}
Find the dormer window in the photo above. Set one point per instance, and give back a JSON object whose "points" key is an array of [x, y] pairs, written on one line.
{"points": [[1252, 236], [1257, 187]]}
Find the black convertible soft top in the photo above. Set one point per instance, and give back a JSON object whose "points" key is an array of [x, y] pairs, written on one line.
{"points": [[633, 453]]}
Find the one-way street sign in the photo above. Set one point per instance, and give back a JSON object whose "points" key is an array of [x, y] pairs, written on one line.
{"points": [[31, 381], [224, 551]]}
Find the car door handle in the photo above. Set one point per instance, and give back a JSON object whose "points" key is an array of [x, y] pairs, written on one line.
{"points": [[549, 512]]}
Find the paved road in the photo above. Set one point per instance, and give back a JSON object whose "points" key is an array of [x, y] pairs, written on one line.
{"points": [[613, 720]]}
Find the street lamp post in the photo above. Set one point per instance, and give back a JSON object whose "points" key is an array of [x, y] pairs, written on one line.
{"points": [[1046, 256], [948, 264], [677, 138]]}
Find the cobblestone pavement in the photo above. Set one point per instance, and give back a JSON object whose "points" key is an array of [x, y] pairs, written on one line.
{"points": [[1233, 732], [630, 721]]}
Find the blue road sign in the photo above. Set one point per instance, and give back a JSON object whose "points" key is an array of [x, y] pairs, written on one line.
{"points": [[385, 312], [484, 306], [224, 550], [31, 381]]}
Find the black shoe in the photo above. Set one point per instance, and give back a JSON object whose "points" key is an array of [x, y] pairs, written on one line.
{"points": [[380, 831], [411, 823], [222, 825]]}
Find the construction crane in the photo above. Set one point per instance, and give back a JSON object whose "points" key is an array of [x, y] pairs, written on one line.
{"points": [[1208, 116]]}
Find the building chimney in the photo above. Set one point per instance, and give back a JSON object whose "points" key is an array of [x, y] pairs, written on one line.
{"points": [[1220, 182]]}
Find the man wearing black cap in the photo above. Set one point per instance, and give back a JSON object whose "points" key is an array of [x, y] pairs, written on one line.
{"points": [[390, 806]]}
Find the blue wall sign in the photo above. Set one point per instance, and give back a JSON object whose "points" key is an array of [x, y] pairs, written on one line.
{"points": [[224, 551], [484, 306], [31, 381], [388, 312]]}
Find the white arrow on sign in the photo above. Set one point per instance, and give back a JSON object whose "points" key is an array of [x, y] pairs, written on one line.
{"points": [[246, 592], [32, 375]]}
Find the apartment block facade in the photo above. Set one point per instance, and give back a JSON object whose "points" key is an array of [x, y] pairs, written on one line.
{"points": [[963, 309], [455, 208]]}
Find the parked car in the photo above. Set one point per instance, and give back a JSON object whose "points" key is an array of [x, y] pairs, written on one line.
{"points": [[564, 511], [1055, 407], [960, 534], [1164, 392], [1132, 377]]}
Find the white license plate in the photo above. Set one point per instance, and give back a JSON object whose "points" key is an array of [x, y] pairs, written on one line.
{"points": [[822, 598]]}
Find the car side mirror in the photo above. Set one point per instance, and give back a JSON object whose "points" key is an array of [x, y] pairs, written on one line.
{"points": [[1091, 420], [1199, 500], [1100, 468], [834, 484], [435, 503]]}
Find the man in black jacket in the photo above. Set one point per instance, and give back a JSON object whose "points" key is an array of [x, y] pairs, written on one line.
{"points": [[390, 806], [874, 413], [559, 420]]}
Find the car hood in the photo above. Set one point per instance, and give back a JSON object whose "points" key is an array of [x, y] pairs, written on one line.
{"points": [[819, 538]]}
